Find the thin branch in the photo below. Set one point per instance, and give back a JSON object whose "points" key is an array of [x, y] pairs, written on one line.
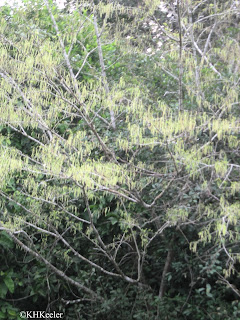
{"points": [[180, 56], [103, 72]]}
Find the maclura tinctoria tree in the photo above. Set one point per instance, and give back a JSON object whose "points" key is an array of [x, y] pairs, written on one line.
{"points": [[93, 149]]}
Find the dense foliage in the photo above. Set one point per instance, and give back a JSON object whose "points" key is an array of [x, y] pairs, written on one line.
{"points": [[119, 159]]}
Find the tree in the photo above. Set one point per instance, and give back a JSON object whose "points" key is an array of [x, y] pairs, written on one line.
{"points": [[112, 165]]}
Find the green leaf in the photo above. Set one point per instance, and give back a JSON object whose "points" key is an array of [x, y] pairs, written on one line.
{"points": [[9, 283], [208, 289], [3, 290], [11, 312], [5, 241]]}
